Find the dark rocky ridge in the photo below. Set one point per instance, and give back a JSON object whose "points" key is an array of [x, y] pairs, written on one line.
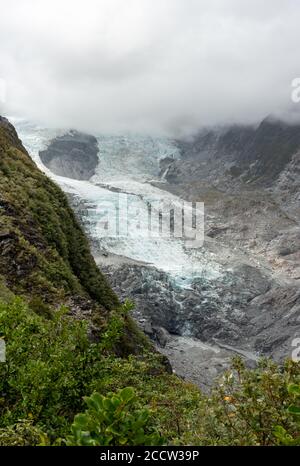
{"points": [[11, 135], [74, 155], [251, 154]]}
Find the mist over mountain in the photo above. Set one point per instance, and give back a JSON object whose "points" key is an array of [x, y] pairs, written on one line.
{"points": [[143, 66]]}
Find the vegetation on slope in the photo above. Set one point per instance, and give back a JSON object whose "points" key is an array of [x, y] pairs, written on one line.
{"points": [[43, 249], [51, 366]]}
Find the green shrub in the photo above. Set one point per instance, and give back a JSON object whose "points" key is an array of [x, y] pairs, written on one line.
{"points": [[51, 366], [39, 307], [113, 420], [47, 368], [280, 432], [22, 434], [115, 327], [247, 404]]}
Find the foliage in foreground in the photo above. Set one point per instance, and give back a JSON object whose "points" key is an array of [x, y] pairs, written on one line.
{"points": [[284, 437], [247, 404], [113, 420], [52, 367]]}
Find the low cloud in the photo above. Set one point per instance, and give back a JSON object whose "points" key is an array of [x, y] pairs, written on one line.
{"points": [[168, 66]]}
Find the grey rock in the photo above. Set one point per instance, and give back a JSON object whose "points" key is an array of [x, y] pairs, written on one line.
{"points": [[74, 155], [161, 335]]}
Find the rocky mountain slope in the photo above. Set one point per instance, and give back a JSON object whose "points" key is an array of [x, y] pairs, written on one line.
{"points": [[249, 180], [246, 299], [249, 154]]}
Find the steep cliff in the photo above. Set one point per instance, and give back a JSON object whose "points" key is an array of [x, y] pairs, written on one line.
{"points": [[43, 250]]}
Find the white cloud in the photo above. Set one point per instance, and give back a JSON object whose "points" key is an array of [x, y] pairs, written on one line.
{"points": [[148, 65]]}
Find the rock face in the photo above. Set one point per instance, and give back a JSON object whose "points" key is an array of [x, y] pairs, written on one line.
{"points": [[249, 180], [251, 154], [288, 186], [247, 309], [11, 135], [74, 155]]}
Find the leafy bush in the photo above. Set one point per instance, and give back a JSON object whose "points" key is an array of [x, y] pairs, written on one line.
{"points": [[280, 432], [22, 434], [40, 308], [247, 404], [113, 420], [51, 366], [115, 326], [48, 364]]}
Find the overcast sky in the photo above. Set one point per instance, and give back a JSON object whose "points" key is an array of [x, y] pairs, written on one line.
{"points": [[148, 65]]}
